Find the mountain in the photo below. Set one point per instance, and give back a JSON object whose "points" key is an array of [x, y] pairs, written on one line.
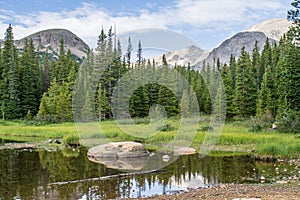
{"points": [[191, 54], [234, 45], [273, 28], [51, 39]]}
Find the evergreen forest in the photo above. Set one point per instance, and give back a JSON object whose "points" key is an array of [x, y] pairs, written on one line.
{"points": [[262, 85]]}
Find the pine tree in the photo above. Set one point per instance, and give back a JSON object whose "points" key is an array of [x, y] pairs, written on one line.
{"points": [[185, 104], [290, 97], [49, 103], [266, 60], [267, 96], [219, 107], [64, 106], [30, 85], [87, 111], [229, 90], [62, 70], [292, 63], [45, 74], [102, 105], [164, 60], [140, 53], [256, 63], [245, 93], [128, 53], [10, 81], [294, 14], [167, 97], [232, 65]]}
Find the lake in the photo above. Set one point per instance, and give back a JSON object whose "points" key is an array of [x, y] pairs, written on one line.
{"points": [[27, 175]]}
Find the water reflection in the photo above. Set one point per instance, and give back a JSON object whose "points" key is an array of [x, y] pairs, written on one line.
{"points": [[26, 175]]}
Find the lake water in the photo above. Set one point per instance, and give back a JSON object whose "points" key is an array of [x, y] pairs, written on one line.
{"points": [[27, 175]]}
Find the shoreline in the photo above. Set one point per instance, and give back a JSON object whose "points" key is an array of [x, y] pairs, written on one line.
{"points": [[237, 192]]}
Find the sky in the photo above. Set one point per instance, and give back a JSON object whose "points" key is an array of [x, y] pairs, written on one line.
{"points": [[205, 22]]}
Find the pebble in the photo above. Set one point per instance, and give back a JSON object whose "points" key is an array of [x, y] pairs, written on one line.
{"points": [[166, 158], [281, 182]]}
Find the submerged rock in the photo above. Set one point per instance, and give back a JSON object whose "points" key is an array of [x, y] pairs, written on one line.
{"points": [[137, 163], [178, 151]]}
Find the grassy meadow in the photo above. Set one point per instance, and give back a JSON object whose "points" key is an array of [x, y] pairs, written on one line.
{"points": [[235, 137]]}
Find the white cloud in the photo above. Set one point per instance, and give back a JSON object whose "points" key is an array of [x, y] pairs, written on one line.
{"points": [[182, 15], [204, 12]]}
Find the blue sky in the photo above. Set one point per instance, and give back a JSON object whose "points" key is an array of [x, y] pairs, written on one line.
{"points": [[207, 22]]}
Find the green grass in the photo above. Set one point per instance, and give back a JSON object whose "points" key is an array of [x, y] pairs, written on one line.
{"points": [[235, 137], [19, 129]]}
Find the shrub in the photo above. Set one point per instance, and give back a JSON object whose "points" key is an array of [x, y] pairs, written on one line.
{"points": [[28, 116], [261, 122], [167, 127], [71, 140], [289, 122]]}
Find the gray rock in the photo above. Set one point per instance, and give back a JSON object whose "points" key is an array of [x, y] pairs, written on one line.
{"points": [[120, 155], [118, 150]]}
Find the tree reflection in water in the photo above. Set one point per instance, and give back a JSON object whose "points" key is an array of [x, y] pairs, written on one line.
{"points": [[26, 175]]}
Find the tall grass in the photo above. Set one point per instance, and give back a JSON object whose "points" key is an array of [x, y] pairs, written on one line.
{"points": [[20, 129], [233, 136]]}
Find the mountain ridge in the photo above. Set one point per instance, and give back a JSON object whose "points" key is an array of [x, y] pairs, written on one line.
{"points": [[189, 55], [233, 46], [272, 28], [49, 40]]}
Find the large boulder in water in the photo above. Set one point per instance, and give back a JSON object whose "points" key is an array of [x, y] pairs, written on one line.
{"points": [[120, 155], [118, 150]]}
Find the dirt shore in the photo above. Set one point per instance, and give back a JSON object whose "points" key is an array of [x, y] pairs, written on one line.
{"points": [[238, 192]]}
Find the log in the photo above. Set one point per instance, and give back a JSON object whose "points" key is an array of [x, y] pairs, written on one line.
{"points": [[102, 178]]}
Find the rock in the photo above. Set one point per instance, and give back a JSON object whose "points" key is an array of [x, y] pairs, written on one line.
{"points": [[166, 158], [178, 151], [118, 150], [57, 141], [120, 155], [281, 182], [20, 146]]}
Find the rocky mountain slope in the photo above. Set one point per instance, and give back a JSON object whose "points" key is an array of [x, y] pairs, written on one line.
{"points": [[272, 28], [191, 54], [234, 45], [50, 39]]}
